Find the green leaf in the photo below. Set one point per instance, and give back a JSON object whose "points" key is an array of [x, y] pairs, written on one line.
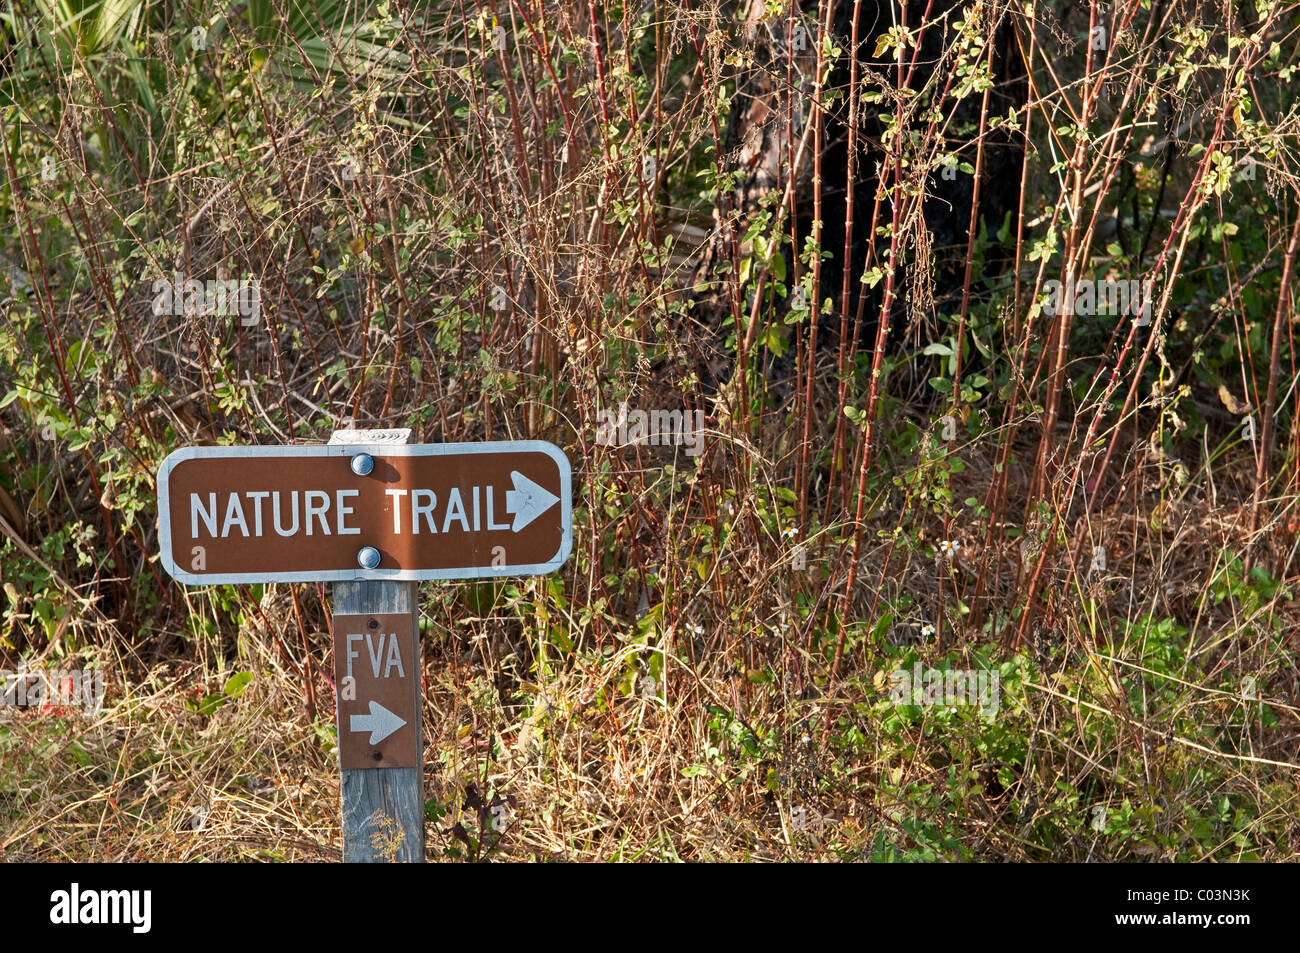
{"points": [[1004, 232], [237, 683], [872, 278], [774, 341], [777, 264]]}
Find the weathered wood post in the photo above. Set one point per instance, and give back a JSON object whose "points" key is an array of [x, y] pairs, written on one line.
{"points": [[383, 806]]}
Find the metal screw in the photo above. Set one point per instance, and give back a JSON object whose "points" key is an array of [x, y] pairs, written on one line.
{"points": [[368, 557], [363, 464]]}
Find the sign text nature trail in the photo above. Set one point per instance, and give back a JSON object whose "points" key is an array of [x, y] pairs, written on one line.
{"points": [[429, 511]]}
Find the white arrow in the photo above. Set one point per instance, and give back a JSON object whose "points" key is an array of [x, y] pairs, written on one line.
{"points": [[380, 723], [527, 500]]}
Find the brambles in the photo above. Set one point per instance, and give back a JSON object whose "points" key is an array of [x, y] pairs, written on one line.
{"points": [[876, 437]]}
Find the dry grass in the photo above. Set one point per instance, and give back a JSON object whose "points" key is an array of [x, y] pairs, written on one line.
{"points": [[589, 771]]}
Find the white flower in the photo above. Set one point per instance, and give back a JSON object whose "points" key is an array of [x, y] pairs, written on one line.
{"points": [[927, 630], [790, 532], [950, 547], [695, 630]]}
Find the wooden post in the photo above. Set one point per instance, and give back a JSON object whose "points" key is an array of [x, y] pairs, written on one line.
{"points": [[383, 808]]}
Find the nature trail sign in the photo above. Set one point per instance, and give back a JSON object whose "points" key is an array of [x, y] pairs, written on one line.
{"points": [[308, 514], [373, 514]]}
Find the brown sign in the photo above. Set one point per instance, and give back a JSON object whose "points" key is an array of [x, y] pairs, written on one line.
{"points": [[364, 511], [377, 683]]}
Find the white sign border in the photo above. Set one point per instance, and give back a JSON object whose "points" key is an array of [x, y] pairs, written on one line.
{"points": [[345, 450]]}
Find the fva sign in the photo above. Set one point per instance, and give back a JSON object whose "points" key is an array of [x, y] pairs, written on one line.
{"points": [[375, 670], [364, 511]]}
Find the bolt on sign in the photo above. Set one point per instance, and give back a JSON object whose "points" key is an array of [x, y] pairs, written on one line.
{"points": [[364, 511], [378, 683]]}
